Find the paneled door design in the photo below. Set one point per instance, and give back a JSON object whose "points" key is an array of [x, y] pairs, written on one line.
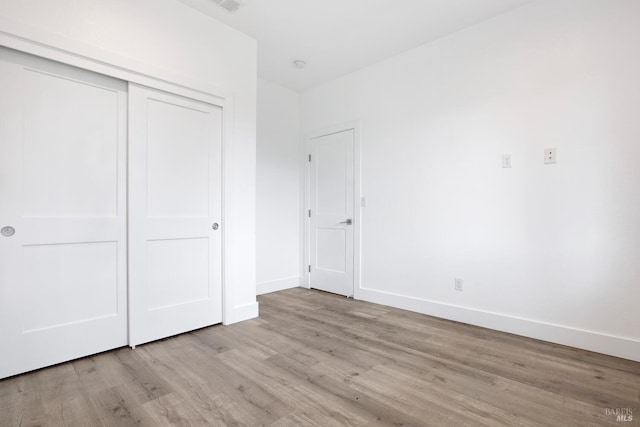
{"points": [[62, 213], [175, 182], [332, 209]]}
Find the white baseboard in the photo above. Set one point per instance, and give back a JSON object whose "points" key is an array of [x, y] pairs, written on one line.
{"points": [[625, 348], [245, 312], [277, 285]]}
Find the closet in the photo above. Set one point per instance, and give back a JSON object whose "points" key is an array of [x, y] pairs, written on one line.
{"points": [[110, 213]]}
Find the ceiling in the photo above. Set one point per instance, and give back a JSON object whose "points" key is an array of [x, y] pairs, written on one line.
{"points": [[336, 37]]}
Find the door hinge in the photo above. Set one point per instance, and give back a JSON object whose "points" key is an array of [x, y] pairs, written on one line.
{"points": [[309, 213], [309, 269], [309, 157]]}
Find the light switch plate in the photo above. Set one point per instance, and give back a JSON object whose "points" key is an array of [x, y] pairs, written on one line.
{"points": [[506, 160]]}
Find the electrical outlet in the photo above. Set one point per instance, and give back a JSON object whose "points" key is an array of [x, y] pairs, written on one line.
{"points": [[550, 155], [506, 160], [459, 284]]}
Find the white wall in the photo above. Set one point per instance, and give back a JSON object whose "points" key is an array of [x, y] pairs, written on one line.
{"points": [[278, 188], [548, 251], [169, 41]]}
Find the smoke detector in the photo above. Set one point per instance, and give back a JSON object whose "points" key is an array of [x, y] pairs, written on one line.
{"points": [[231, 6]]}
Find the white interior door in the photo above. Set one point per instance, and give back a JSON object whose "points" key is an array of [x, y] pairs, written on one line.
{"points": [[332, 209], [62, 213], [175, 182]]}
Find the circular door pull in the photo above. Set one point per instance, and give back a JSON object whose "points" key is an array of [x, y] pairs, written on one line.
{"points": [[8, 231], [215, 226]]}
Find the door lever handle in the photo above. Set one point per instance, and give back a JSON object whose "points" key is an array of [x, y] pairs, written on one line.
{"points": [[348, 222]]}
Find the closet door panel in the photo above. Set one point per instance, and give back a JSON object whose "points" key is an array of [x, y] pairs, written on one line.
{"points": [[63, 255], [175, 214]]}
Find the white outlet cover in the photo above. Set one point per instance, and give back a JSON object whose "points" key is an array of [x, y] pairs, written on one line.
{"points": [[506, 160], [550, 156], [459, 284]]}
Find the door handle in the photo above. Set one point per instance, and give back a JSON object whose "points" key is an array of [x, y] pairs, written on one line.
{"points": [[347, 221]]}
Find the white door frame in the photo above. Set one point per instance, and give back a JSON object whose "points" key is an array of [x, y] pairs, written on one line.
{"points": [[357, 207], [29, 40]]}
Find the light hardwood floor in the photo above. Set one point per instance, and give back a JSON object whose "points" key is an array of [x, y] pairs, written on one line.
{"points": [[318, 359]]}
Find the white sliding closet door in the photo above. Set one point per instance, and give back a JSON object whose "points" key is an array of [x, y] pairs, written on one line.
{"points": [[62, 213], [175, 256]]}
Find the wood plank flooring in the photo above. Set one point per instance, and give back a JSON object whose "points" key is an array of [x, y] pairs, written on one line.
{"points": [[321, 360]]}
